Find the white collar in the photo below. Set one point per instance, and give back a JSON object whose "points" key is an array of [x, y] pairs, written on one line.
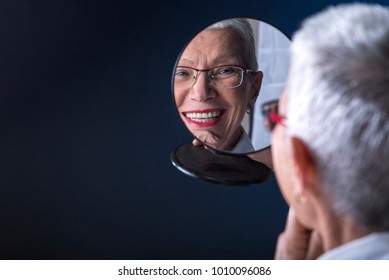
{"points": [[374, 246]]}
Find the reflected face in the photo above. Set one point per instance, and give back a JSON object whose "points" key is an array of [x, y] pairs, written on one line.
{"points": [[214, 114]]}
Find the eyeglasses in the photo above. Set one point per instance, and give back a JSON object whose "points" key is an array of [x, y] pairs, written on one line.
{"points": [[270, 113], [223, 76]]}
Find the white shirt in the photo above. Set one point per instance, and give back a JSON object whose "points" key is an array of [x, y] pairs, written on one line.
{"points": [[374, 246]]}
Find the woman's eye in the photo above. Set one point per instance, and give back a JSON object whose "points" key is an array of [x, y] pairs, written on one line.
{"points": [[182, 73], [225, 71]]}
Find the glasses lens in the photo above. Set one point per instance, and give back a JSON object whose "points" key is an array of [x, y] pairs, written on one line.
{"points": [[226, 76], [184, 76]]}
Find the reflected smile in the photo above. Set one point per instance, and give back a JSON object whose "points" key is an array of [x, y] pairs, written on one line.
{"points": [[204, 117]]}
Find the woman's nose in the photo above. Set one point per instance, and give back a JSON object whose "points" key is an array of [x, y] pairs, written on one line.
{"points": [[202, 90]]}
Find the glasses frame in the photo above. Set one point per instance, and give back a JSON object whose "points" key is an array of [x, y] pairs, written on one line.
{"points": [[273, 117], [245, 71], [278, 119]]}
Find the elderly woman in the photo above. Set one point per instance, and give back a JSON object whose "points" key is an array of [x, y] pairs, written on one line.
{"points": [[216, 84], [331, 142]]}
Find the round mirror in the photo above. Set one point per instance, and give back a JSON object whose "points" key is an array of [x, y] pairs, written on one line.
{"points": [[223, 79]]}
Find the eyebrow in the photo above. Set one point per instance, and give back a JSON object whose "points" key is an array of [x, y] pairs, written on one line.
{"points": [[215, 61]]}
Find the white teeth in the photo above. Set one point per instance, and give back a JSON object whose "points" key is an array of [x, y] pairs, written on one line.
{"points": [[203, 117]]}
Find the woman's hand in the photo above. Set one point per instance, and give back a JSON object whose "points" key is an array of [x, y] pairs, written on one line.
{"points": [[297, 242]]}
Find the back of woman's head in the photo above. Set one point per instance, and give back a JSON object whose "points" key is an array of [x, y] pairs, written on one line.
{"points": [[338, 103]]}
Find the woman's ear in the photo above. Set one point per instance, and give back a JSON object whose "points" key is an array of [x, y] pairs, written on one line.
{"points": [[256, 86], [303, 167]]}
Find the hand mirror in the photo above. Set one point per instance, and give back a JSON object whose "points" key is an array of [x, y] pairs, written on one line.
{"points": [[221, 82]]}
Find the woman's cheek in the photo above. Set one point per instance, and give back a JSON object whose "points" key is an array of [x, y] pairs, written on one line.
{"points": [[234, 119]]}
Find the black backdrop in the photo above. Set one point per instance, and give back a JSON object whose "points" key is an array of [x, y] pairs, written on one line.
{"points": [[87, 125]]}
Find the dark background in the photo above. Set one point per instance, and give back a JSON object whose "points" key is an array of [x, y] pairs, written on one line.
{"points": [[87, 126]]}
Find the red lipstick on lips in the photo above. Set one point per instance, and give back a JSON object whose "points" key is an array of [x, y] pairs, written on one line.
{"points": [[203, 118]]}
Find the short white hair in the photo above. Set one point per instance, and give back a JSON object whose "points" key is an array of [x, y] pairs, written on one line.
{"points": [[243, 28], [338, 104]]}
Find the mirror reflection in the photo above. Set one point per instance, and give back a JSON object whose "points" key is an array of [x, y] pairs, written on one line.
{"points": [[270, 113], [224, 76]]}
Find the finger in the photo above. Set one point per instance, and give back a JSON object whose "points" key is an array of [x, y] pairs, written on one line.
{"points": [[293, 243], [196, 142], [315, 248], [295, 228]]}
